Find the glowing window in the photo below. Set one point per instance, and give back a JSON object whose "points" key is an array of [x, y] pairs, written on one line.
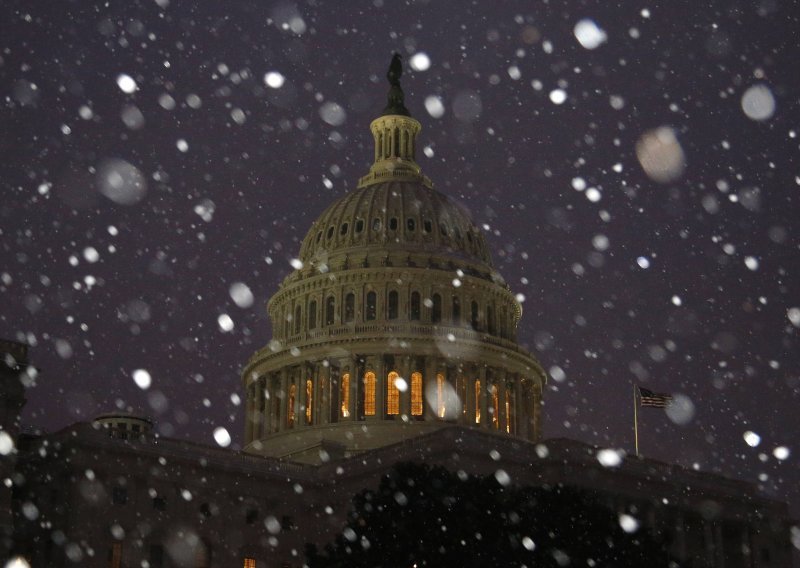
{"points": [[508, 411], [392, 394], [309, 401], [116, 555], [290, 407], [416, 394], [249, 562], [495, 407], [478, 402], [344, 395], [440, 405], [369, 393]]}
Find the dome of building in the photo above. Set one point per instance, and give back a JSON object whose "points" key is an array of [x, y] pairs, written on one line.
{"points": [[394, 216], [393, 325]]}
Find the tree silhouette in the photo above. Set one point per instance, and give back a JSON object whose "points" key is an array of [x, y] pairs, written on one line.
{"points": [[429, 517]]}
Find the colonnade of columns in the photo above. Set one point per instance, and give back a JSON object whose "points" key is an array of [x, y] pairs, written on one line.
{"points": [[323, 392]]}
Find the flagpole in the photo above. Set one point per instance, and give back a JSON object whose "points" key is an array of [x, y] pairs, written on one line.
{"points": [[635, 422]]}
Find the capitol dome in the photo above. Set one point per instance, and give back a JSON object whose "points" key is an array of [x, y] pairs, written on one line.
{"points": [[394, 324]]}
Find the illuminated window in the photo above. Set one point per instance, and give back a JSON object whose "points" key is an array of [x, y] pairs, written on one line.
{"points": [[495, 407], [509, 416], [290, 407], [369, 393], [249, 562], [477, 402], [392, 394], [440, 405], [344, 395], [114, 555], [309, 401], [416, 394]]}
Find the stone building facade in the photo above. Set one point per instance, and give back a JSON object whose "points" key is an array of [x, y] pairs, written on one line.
{"points": [[394, 340]]}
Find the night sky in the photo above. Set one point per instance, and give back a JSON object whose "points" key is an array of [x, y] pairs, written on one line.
{"points": [[157, 153]]}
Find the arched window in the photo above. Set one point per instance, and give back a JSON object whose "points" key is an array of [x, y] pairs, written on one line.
{"points": [[344, 395], [427, 226], [392, 307], [456, 310], [343, 229], [509, 407], [495, 407], [392, 394], [474, 316], [372, 306], [440, 395], [490, 323], [478, 402], [309, 401], [411, 224], [359, 225], [312, 314], [330, 305], [415, 306], [436, 311], [416, 394], [393, 224], [297, 314], [349, 307], [369, 393], [290, 406]]}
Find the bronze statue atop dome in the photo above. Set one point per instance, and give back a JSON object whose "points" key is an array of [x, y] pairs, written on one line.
{"points": [[396, 102]]}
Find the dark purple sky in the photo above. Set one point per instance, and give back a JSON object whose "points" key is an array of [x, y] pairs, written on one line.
{"points": [[721, 240]]}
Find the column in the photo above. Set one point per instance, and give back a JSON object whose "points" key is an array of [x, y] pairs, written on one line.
{"points": [[429, 386], [469, 401], [484, 402], [501, 400], [405, 397]]}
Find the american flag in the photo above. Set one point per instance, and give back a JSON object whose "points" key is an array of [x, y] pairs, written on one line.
{"points": [[653, 399]]}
